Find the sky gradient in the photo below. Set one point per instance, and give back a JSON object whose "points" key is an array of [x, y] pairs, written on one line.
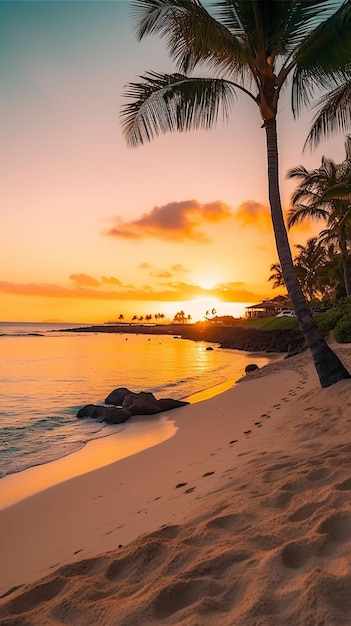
{"points": [[92, 229]]}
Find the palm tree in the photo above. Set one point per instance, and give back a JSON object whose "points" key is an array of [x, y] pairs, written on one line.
{"points": [[276, 275], [253, 48], [314, 199], [310, 259], [318, 269]]}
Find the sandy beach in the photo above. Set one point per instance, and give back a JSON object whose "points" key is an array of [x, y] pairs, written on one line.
{"points": [[240, 516]]}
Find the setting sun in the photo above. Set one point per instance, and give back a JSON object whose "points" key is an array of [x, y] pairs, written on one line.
{"points": [[207, 282]]}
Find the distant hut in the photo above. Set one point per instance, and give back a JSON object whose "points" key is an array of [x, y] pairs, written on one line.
{"points": [[267, 308]]}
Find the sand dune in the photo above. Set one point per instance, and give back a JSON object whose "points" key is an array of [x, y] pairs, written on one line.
{"points": [[243, 518]]}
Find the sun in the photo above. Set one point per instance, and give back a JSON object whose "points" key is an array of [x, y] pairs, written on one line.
{"points": [[207, 282]]}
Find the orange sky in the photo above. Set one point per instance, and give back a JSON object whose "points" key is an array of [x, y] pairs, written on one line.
{"points": [[92, 229]]}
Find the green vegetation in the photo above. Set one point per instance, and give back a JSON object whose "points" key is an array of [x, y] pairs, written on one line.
{"points": [[336, 321], [272, 323]]}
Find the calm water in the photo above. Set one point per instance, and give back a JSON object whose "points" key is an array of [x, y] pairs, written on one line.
{"points": [[47, 375]]}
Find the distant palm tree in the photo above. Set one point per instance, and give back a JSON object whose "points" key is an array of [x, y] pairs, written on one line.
{"points": [[309, 201], [134, 318], [318, 268], [253, 47], [179, 317], [121, 317], [308, 262], [276, 275]]}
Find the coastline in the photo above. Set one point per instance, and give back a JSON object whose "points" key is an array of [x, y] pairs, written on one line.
{"points": [[243, 458], [235, 337]]}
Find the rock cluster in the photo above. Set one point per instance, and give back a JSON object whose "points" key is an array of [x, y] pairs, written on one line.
{"points": [[121, 404]]}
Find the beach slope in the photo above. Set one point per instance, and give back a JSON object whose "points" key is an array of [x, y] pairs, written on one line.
{"points": [[242, 517]]}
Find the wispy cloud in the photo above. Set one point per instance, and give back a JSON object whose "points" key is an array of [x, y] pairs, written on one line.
{"points": [[172, 291], [178, 267], [111, 280], [84, 280], [175, 221]]}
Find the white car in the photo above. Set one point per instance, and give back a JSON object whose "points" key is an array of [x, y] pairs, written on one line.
{"points": [[287, 313]]}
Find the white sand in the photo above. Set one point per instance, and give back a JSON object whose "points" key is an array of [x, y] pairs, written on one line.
{"points": [[258, 534]]}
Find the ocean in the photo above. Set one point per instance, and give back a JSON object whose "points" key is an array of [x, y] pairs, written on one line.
{"points": [[46, 375]]}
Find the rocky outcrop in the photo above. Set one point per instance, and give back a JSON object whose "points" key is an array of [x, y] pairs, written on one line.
{"points": [[249, 339], [235, 336], [123, 404]]}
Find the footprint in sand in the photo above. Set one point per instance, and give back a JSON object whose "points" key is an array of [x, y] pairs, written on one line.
{"points": [[233, 441], [190, 489], [247, 432], [207, 474], [180, 485]]}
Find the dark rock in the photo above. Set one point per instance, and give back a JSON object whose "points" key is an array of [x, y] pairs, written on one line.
{"points": [[117, 396], [109, 414], [89, 410], [209, 348], [144, 403], [167, 404], [251, 367]]}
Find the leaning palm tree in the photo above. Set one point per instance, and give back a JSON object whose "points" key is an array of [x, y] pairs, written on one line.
{"points": [[253, 48]]}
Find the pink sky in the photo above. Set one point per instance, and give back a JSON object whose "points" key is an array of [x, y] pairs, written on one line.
{"points": [[92, 229]]}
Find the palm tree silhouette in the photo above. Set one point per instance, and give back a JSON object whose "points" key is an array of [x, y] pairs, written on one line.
{"points": [[313, 199], [253, 48]]}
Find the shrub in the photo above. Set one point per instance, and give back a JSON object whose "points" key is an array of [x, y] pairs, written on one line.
{"points": [[342, 330], [327, 321]]}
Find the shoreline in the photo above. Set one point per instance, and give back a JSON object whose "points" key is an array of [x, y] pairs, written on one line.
{"points": [[252, 485], [139, 433]]}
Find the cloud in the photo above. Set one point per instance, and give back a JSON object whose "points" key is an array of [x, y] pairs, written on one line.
{"points": [[84, 280], [111, 280], [171, 292], [161, 274], [178, 267], [251, 213], [176, 221]]}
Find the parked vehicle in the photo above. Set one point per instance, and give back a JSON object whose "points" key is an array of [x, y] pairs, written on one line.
{"points": [[287, 313]]}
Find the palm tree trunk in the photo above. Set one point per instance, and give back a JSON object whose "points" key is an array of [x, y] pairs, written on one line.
{"points": [[329, 367], [345, 264]]}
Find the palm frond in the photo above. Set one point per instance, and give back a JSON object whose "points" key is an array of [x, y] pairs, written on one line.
{"points": [[339, 192], [192, 35], [324, 56], [169, 102], [298, 213], [334, 114]]}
